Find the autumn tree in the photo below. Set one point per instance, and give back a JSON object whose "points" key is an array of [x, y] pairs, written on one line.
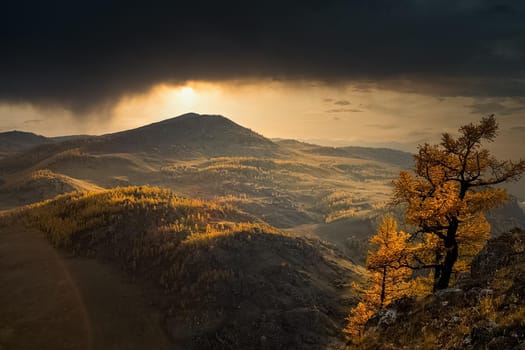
{"points": [[390, 278], [446, 196], [388, 261]]}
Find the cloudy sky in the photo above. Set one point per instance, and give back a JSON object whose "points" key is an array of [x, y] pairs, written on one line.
{"points": [[374, 72]]}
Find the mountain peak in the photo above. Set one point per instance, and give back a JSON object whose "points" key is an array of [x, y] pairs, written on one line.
{"points": [[189, 135], [192, 116], [189, 115]]}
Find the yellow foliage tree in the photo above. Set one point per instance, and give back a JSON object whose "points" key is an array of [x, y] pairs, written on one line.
{"points": [[390, 278], [446, 197], [390, 261]]}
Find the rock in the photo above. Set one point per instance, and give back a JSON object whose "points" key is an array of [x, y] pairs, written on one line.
{"points": [[388, 317], [500, 343], [451, 296], [486, 293], [481, 334]]}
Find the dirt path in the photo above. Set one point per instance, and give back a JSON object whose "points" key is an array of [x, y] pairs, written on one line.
{"points": [[49, 301]]}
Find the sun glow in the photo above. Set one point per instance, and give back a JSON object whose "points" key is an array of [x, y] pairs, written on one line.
{"points": [[186, 95]]}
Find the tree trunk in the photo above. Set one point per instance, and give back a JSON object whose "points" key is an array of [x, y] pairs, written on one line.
{"points": [[442, 280], [437, 270], [383, 288], [451, 257]]}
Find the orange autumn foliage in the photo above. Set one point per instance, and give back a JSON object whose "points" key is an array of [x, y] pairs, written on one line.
{"points": [[447, 194], [390, 279]]}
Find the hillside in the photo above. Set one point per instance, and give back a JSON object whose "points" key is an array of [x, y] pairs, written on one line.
{"points": [[213, 158], [484, 310], [13, 142], [220, 278], [335, 193], [37, 186], [385, 155]]}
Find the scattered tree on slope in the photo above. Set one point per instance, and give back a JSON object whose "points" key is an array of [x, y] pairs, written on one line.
{"points": [[390, 277]]}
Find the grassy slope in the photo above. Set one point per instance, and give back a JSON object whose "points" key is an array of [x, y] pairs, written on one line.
{"points": [[226, 281]]}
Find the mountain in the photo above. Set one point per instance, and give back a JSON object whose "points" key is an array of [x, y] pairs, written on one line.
{"points": [[184, 137], [484, 310], [188, 136], [220, 278], [16, 141]]}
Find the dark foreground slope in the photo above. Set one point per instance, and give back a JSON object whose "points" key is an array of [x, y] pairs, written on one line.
{"points": [[49, 301], [219, 279], [485, 310]]}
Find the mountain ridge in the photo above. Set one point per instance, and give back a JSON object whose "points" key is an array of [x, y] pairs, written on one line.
{"points": [[189, 133]]}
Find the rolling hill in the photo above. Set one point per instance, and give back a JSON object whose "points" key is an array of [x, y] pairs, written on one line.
{"points": [[214, 158], [13, 142], [221, 278], [335, 193]]}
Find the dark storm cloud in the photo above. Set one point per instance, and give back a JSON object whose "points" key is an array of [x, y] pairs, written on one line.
{"points": [[81, 54]]}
